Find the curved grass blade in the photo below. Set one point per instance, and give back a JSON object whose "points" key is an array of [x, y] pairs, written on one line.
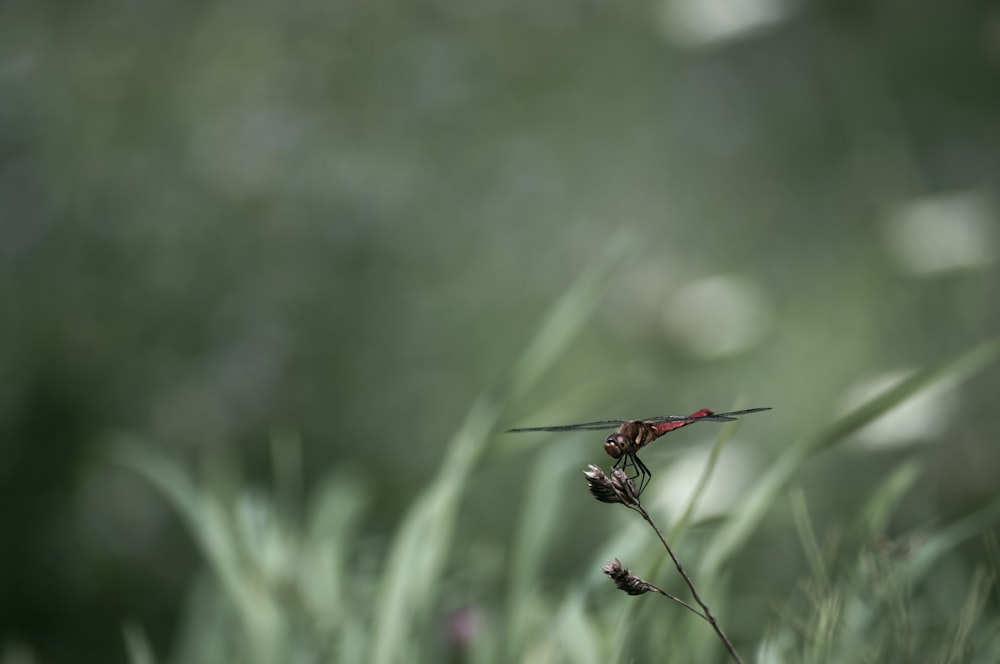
{"points": [[212, 529], [543, 503], [741, 525], [137, 644], [419, 551]]}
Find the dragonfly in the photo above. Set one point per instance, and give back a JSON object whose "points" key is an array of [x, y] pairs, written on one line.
{"points": [[623, 446]]}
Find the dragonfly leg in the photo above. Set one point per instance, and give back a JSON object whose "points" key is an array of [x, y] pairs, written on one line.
{"points": [[641, 472], [624, 464], [635, 470]]}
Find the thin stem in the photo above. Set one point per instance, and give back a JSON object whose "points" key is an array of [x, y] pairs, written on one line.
{"points": [[694, 592], [681, 602]]}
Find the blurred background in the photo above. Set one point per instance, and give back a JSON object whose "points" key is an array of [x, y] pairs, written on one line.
{"points": [[337, 223]]}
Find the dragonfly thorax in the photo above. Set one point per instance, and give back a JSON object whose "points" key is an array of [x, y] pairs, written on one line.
{"points": [[630, 437]]}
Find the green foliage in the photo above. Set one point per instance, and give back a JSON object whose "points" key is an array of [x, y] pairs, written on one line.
{"points": [[221, 220], [766, 489], [874, 602], [308, 583], [281, 579]]}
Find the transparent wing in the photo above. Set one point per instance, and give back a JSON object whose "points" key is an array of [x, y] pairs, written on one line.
{"points": [[584, 426], [614, 424], [714, 417]]}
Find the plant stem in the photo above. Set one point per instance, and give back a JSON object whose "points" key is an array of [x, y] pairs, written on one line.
{"points": [[694, 592]]}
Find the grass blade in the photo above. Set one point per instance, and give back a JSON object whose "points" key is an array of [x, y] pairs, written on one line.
{"points": [[738, 528], [418, 554], [137, 644], [212, 529]]}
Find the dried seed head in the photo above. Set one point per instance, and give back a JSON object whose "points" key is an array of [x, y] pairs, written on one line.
{"points": [[626, 580], [624, 487], [615, 489], [600, 485]]}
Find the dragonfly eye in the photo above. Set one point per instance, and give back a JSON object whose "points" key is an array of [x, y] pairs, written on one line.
{"points": [[615, 445]]}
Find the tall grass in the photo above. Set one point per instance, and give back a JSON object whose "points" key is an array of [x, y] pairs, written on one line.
{"points": [[284, 584]]}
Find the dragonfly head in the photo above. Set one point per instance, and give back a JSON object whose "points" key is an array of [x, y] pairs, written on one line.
{"points": [[616, 444]]}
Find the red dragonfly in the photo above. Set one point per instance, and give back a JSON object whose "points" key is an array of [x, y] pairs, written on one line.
{"points": [[633, 435]]}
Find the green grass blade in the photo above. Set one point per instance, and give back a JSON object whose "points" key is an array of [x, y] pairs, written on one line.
{"points": [[567, 318], [212, 530], [542, 505], [741, 525], [420, 549], [979, 590], [137, 644], [875, 515], [721, 440], [807, 538], [576, 632], [945, 539], [327, 572]]}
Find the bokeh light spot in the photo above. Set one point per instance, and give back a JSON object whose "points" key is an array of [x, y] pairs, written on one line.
{"points": [[939, 234], [718, 316]]}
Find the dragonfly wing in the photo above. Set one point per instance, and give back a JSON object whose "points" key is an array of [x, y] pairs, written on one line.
{"points": [[660, 419], [584, 426], [697, 416], [688, 419], [733, 414], [666, 418]]}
